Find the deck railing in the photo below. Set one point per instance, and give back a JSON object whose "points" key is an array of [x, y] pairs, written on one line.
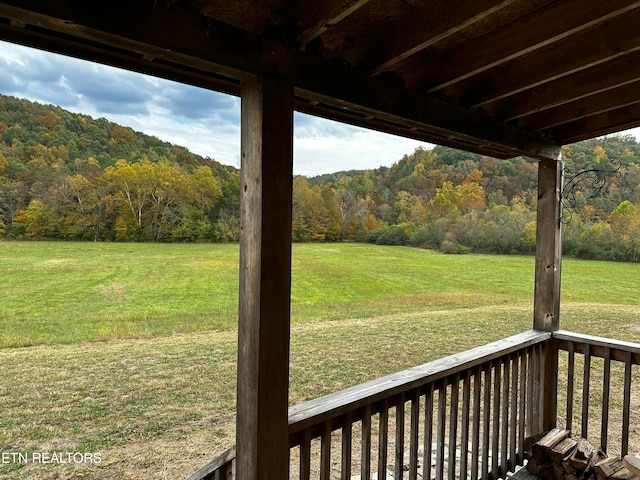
{"points": [[462, 416], [465, 416], [598, 388]]}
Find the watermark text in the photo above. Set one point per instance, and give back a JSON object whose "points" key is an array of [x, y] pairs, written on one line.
{"points": [[86, 458]]}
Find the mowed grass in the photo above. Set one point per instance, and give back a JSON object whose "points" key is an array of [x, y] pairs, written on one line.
{"points": [[148, 380], [74, 292]]}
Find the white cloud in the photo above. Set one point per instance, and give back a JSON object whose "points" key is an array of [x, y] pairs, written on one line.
{"points": [[321, 146]]}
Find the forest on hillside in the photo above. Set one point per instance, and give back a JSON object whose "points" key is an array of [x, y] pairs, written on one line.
{"points": [[66, 176], [70, 177]]}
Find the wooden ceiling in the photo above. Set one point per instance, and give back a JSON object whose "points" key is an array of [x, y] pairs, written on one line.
{"points": [[499, 77]]}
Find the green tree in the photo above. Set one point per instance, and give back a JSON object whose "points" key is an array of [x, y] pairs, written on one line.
{"points": [[310, 214], [625, 222], [168, 186], [132, 184], [13, 197], [38, 221]]}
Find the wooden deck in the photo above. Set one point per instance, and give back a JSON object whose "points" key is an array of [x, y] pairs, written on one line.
{"points": [[524, 474]]}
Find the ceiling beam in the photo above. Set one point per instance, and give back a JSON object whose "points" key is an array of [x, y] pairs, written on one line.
{"points": [[404, 128], [555, 22], [382, 50], [585, 107], [189, 41], [619, 72], [579, 52], [374, 99], [315, 18], [599, 125], [127, 60]]}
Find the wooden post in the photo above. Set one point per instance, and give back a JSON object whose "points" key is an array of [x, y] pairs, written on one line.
{"points": [[546, 308], [548, 247], [265, 279]]}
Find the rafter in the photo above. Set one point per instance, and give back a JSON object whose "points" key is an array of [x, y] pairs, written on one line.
{"points": [[579, 52], [603, 124], [557, 21], [380, 51], [589, 106], [568, 89], [316, 17]]}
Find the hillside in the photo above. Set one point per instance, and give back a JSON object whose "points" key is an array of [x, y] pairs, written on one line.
{"points": [[457, 201], [69, 176]]}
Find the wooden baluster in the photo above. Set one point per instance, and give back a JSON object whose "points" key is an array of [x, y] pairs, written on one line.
{"points": [[504, 435], [453, 426], [522, 418], [513, 428], [548, 385], [415, 430], [325, 451], [428, 432], [365, 462], [486, 411], [383, 439], [570, 375], [530, 392], [464, 435], [442, 415], [606, 383], [585, 390], [536, 400], [626, 404], [347, 437], [305, 456], [495, 435], [475, 434], [399, 459]]}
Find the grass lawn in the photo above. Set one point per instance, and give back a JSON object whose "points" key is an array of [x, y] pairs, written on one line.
{"points": [[130, 350]]}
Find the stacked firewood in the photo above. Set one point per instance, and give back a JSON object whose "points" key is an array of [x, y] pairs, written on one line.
{"points": [[557, 456]]}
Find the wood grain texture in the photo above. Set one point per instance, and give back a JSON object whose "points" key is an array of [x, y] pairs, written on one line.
{"points": [[265, 279], [546, 309]]}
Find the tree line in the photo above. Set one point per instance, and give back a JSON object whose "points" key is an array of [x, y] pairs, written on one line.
{"points": [[67, 176]]}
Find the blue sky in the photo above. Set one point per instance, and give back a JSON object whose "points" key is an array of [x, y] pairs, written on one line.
{"points": [[206, 122]]}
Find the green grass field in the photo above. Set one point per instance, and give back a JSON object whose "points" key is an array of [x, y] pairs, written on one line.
{"points": [[129, 350], [76, 292]]}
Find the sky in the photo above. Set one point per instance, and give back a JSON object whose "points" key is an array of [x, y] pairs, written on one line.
{"points": [[206, 122]]}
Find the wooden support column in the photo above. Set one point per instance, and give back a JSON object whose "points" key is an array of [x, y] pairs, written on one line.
{"points": [[546, 314], [547, 282], [265, 279]]}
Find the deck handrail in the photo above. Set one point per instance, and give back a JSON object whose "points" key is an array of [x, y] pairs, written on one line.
{"points": [[220, 468], [599, 344], [316, 412]]}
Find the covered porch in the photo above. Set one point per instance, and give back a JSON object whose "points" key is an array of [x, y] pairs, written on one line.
{"points": [[501, 78]]}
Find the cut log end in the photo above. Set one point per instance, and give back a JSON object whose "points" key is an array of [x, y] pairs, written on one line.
{"points": [[556, 456]]}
